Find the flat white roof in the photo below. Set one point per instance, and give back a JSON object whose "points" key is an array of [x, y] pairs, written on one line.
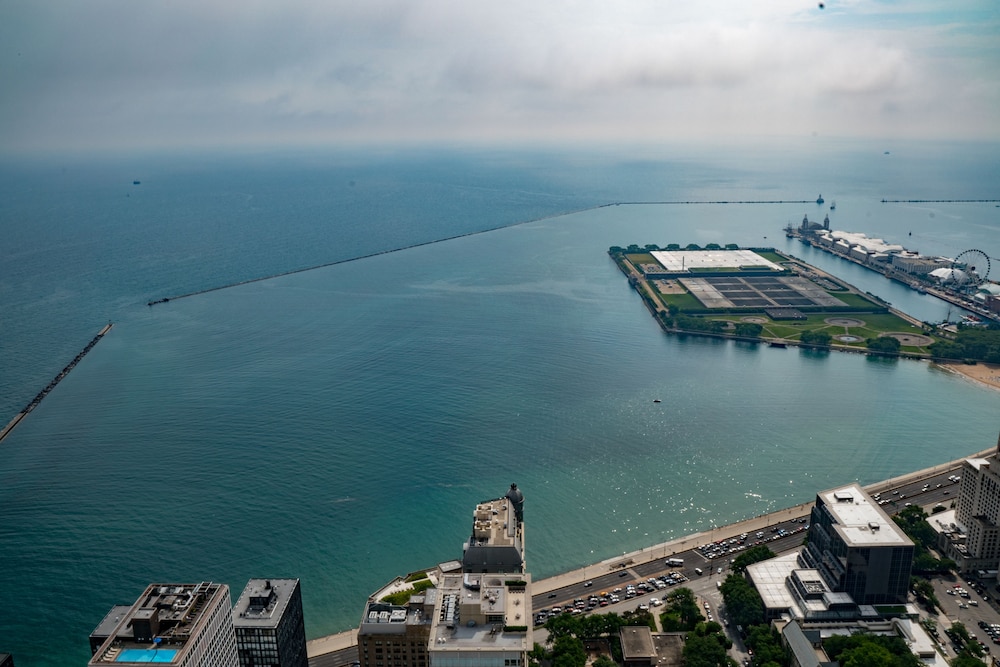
{"points": [[860, 521], [769, 579], [685, 260]]}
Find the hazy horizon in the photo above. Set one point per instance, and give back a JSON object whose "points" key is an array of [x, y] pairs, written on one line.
{"points": [[116, 76]]}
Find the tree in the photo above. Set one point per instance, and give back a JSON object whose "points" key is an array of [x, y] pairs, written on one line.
{"points": [[750, 556], [867, 655], [681, 611], [766, 644], [703, 651], [563, 625], [537, 654], [886, 344], [749, 329], [816, 338], [604, 661], [966, 659], [568, 651], [743, 602]]}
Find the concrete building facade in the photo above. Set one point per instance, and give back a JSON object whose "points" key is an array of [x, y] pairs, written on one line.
{"points": [[269, 624], [977, 513], [857, 548]]}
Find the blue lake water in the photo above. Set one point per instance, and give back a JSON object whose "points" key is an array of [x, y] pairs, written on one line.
{"points": [[337, 425]]}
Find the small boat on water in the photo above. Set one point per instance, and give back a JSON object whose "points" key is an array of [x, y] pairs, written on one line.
{"points": [[656, 400], [820, 200]]}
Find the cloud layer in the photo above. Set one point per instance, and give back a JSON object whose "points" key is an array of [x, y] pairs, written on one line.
{"points": [[102, 73]]}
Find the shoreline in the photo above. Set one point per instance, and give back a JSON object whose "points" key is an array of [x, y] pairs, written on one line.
{"points": [[348, 638], [980, 372]]}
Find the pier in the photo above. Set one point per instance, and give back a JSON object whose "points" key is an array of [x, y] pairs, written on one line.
{"points": [[52, 385], [909, 280]]}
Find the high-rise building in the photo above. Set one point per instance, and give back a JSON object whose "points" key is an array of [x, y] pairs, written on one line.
{"points": [[479, 615], [857, 548], [186, 625], [269, 625], [978, 511], [107, 626]]}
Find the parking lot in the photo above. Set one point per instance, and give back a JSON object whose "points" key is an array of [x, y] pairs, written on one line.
{"points": [[970, 602]]}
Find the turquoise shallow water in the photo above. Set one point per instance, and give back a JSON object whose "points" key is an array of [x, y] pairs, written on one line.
{"points": [[337, 425]]}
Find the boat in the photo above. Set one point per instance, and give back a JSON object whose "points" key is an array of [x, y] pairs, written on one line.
{"points": [[136, 182], [820, 200], [833, 206], [656, 400]]}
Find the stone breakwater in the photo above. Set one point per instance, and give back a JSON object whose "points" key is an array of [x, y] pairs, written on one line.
{"points": [[52, 385]]}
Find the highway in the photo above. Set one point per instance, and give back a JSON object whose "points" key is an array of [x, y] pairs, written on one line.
{"points": [[910, 492]]}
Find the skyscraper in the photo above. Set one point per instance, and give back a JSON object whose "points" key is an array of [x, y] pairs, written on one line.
{"points": [[187, 625], [978, 511], [269, 625]]}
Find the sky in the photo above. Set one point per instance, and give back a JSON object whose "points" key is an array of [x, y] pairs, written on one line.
{"points": [[84, 75]]}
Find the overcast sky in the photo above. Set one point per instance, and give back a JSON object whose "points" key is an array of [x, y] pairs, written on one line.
{"points": [[83, 74]]}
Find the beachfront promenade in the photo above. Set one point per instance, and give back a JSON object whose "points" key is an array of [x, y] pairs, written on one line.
{"points": [[345, 640]]}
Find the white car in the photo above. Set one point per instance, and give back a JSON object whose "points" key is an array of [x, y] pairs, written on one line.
{"points": [[655, 602]]}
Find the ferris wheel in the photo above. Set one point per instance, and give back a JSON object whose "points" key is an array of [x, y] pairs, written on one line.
{"points": [[974, 266]]}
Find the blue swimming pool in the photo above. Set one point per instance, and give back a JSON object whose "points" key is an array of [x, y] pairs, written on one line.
{"points": [[147, 655]]}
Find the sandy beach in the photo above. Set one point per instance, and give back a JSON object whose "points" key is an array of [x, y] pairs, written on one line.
{"points": [[987, 374]]}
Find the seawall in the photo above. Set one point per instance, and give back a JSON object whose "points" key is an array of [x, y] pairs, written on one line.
{"points": [[52, 385]]}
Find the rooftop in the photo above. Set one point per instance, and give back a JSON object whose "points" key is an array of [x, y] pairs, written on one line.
{"points": [[859, 521], [493, 523], [160, 624], [870, 245], [263, 602], [687, 260], [497, 541], [474, 609]]}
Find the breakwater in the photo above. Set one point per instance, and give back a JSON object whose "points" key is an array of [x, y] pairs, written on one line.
{"points": [[940, 201], [719, 201], [52, 385], [248, 281], [291, 272]]}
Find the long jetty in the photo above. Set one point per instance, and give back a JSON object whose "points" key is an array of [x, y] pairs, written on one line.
{"points": [[940, 201], [248, 281], [52, 385]]}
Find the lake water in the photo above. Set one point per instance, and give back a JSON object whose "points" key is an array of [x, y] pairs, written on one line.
{"points": [[337, 425]]}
